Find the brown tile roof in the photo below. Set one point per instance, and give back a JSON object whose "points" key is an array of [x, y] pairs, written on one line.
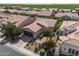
{"points": [[17, 18], [34, 27], [45, 13], [72, 41]]}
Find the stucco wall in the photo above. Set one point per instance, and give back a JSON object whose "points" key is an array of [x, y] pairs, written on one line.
{"points": [[36, 34], [67, 46]]}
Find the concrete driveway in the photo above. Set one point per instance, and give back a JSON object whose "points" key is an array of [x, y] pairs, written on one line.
{"points": [[6, 51]]}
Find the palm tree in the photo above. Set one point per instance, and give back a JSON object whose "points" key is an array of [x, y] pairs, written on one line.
{"points": [[11, 30], [51, 43], [51, 46]]}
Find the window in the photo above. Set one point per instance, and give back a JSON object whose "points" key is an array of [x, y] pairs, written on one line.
{"points": [[76, 52], [69, 50], [64, 48], [73, 51]]}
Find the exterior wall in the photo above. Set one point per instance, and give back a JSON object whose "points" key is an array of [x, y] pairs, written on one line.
{"points": [[53, 14], [65, 48], [36, 34], [28, 33]]}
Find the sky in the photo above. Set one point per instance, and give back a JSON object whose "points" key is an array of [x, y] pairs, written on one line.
{"points": [[39, 1]]}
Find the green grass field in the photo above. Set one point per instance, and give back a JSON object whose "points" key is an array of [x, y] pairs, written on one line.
{"points": [[69, 6]]}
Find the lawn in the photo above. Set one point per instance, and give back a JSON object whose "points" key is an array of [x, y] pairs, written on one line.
{"points": [[66, 6]]}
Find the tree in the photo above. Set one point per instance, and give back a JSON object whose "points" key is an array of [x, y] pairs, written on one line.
{"points": [[42, 52], [47, 33], [51, 43], [65, 17], [58, 24], [11, 30]]}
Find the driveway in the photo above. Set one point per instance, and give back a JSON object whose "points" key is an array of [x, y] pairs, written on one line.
{"points": [[16, 49], [6, 51]]}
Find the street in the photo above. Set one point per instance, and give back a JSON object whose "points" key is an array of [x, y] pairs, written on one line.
{"points": [[6, 51]]}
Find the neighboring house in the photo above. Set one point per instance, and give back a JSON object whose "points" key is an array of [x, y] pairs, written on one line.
{"points": [[21, 21], [50, 22], [73, 16], [26, 9], [35, 9], [31, 26], [43, 9], [77, 9], [64, 10], [46, 13], [68, 30], [70, 42], [2, 10], [53, 9], [70, 47], [14, 11], [31, 12], [74, 11], [36, 28]]}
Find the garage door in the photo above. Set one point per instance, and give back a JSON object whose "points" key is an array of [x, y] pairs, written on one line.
{"points": [[28, 33]]}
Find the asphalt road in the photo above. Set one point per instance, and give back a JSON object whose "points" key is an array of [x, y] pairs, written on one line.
{"points": [[6, 51]]}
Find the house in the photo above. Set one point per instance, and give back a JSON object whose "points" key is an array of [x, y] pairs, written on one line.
{"points": [[43, 9], [70, 42], [53, 9], [14, 11], [64, 10], [35, 9], [50, 22], [30, 25], [70, 47], [74, 11], [2, 10], [31, 12], [69, 28], [73, 16], [25, 9], [21, 21], [36, 28], [46, 13], [77, 10]]}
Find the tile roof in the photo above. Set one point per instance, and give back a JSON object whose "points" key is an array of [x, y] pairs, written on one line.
{"points": [[72, 41], [17, 18], [45, 13], [34, 27]]}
